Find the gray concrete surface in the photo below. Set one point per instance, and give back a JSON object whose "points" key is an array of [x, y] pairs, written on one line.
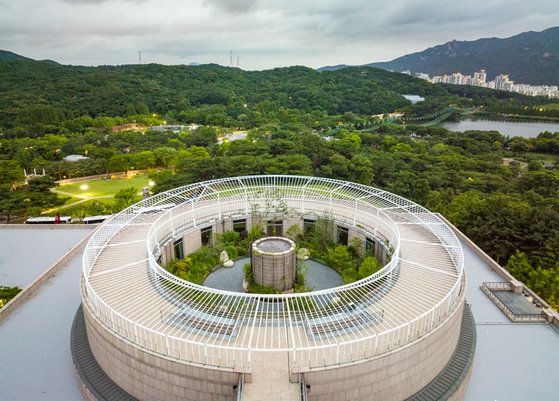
{"points": [[35, 360], [318, 276], [25, 253], [513, 361]]}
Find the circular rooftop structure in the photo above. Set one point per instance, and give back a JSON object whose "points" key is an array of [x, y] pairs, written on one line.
{"points": [[273, 245], [139, 316], [274, 263]]}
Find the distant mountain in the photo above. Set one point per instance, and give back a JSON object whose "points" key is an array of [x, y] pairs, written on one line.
{"points": [[530, 57], [333, 67], [9, 56]]}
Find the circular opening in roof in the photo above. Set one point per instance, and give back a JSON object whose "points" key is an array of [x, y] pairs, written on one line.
{"points": [[274, 245]]}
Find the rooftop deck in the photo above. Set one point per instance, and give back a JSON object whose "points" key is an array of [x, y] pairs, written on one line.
{"points": [[126, 289]]}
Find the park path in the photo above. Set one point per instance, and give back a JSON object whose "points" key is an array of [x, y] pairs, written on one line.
{"points": [[83, 199]]}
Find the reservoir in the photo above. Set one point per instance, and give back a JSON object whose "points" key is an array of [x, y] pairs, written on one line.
{"points": [[526, 129]]}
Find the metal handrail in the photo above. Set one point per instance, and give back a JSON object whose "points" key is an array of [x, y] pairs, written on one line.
{"points": [[310, 192]]}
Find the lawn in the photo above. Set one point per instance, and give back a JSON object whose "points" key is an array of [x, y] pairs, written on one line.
{"points": [[551, 106], [102, 187]]}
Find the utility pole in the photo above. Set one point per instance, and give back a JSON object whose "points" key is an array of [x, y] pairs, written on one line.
{"points": [[139, 57], [230, 58]]}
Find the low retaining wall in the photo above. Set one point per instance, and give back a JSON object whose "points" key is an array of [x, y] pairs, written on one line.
{"points": [[54, 268]]}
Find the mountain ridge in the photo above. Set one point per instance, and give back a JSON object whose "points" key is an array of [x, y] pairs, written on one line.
{"points": [[528, 57]]}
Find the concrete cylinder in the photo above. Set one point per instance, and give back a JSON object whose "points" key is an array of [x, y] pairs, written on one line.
{"points": [[274, 262]]}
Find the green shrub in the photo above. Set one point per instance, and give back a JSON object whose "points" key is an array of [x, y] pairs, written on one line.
{"points": [[370, 265], [7, 293], [232, 251]]}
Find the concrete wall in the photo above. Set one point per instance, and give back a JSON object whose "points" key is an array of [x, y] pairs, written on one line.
{"points": [[150, 376], [395, 375]]}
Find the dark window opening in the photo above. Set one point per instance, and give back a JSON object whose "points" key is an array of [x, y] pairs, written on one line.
{"points": [[275, 228], [179, 249], [206, 235], [370, 247], [343, 235], [309, 226], [239, 225]]}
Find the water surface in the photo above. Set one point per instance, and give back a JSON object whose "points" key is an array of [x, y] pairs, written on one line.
{"points": [[528, 129]]}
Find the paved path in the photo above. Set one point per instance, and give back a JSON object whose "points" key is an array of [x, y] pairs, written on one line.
{"points": [[270, 379], [83, 199]]}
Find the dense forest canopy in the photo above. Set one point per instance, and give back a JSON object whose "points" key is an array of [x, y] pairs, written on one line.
{"points": [[47, 93], [502, 192]]}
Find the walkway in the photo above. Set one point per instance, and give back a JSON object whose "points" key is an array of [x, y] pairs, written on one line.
{"points": [[72, 195], [270, 379]]}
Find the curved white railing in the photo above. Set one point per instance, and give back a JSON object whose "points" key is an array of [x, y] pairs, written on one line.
{"points": [[410, 296]]}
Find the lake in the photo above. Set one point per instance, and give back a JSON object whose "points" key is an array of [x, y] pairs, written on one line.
{"points": [[529, 129]]}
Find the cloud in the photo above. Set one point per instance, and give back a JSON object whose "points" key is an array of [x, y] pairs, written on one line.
{"points": [[263, 33], [99, 1], [233, 6]]}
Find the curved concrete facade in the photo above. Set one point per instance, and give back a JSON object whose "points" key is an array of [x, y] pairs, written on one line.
{"points": [[395, 375], [150, 376], [384, 337]]}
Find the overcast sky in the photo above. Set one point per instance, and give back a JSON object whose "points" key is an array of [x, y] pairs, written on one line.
{"points": [[261, 33]]}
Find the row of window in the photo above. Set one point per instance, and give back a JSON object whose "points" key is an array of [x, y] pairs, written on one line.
{"points": [[274, 228]]}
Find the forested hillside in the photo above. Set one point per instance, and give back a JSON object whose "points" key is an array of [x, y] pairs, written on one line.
{"points": [[119, 91], [39, 95]]}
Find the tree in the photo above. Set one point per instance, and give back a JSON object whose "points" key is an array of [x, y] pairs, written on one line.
{"points": [[142, 160], [341, 259], [165, 156], [202, 136], [124, 198], [289, 164], [11, 173], [410, 186], [519, 266], [118, 163], [362, 170]]}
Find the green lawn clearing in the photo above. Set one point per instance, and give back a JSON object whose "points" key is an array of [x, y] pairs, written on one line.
{"points": [[103, 187]]}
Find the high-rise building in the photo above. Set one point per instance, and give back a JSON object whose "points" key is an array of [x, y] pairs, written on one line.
{"points": [[501, 81], [480, 78]]}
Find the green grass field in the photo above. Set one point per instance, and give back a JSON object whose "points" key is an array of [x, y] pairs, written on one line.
{"points": [[551, 106], [100, 187]]}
